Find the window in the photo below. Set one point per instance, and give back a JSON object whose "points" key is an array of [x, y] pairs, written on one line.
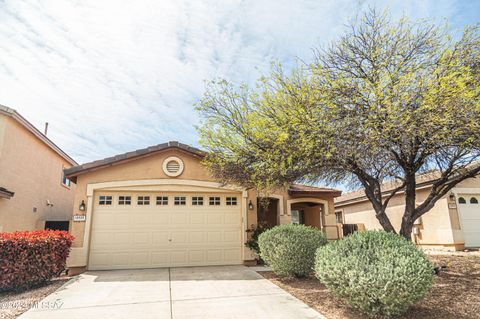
{"points": [[162, 200], [462, 200], [143, 200], [298, 217], [180, 200], [105, 200], [197, 201], [57, 225], [65, 181], [473, 200], [214, 201], [339, 217], [124, 200], [231, 201]]}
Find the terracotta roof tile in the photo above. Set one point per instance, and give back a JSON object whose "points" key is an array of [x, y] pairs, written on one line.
{"points": [[424, 179], [307, 189], [76, 170]]}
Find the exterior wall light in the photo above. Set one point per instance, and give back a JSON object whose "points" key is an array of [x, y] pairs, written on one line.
{"points": [[82, 206], [452, 197], [250, 205]]}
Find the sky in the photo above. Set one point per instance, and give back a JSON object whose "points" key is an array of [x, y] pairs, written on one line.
{"points": [[114, 76]]}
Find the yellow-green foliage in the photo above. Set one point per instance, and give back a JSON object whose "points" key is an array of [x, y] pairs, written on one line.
{"points": [[387, 100]]}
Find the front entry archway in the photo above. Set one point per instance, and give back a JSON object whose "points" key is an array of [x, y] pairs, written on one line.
{"points": [[314, 212], [322, 205], [308, 214]]}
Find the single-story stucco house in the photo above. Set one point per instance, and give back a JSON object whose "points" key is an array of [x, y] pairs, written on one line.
{"points": [[34, 193], [159, 207], [452, 224]]}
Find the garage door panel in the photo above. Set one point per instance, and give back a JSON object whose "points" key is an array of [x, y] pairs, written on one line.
{"points": [[215, 218], [141, 238], [231, 236], [179, 218], [112, 220], [214, 236], [232, 255], [470, 227], [214, 255], [196, 237], [109, 238], [231, 219], [469, 214], [178, 237], [160, 219], [121, 259], [160, 237], [196, 256], [197, 219], [141, 220], [179, 257], [165, 235], [160, 258], [100, 260]]}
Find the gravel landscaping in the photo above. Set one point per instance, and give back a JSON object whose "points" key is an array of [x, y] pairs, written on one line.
{"points": [[455, 293], [13, 304]]}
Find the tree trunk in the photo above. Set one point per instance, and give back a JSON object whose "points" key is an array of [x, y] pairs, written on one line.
{"points": [[384, 221], [407, 226], [410, 197], [374, 194]]}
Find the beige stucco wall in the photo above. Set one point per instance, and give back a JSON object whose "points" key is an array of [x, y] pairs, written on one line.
{"points": [[150, 168], [438, 228], [33, 171]]}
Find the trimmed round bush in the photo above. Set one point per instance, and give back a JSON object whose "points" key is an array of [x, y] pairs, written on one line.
{"points": [[377, 272], [290, 249], [31, 258]]}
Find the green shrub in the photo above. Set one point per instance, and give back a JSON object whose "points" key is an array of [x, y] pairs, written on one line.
{"points": [[252, 243], [290, 249], [377, 272]]}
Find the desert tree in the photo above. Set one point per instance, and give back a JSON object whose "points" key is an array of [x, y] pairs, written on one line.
{"points": [[387, 101]]}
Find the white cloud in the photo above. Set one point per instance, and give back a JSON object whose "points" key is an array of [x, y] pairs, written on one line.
{"points": [[113, 76]]}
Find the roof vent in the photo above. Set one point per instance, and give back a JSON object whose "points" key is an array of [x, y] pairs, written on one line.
{"points": [[173, 166]]}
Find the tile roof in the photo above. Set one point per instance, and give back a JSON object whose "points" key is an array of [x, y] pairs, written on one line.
{"points": [[73, 172], [298, 189], [423, 180], [76, 170]]}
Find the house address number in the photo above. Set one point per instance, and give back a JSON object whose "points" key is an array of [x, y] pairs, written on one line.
{"points": [[79, 218]]}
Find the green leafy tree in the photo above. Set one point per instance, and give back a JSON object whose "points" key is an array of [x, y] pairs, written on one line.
{"points": [[385, 102]]}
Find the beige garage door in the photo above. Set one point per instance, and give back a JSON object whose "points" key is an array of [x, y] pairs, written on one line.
{"points": [[469, 211], [147, 230]]}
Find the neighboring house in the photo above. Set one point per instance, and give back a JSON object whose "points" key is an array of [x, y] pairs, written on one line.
{"points": [[34, 193], [159, 207], [452, 224]]}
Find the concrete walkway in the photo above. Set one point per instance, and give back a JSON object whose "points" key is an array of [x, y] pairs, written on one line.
{"points": [[193, 292]]}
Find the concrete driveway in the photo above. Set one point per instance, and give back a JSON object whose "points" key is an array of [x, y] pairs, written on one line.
{"points": [[193, 292]]}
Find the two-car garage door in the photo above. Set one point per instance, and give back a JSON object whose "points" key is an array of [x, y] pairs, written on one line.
{"points": [[147, 230]]}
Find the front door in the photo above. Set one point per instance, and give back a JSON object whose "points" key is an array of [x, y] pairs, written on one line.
{"points": [[298, 217]]}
